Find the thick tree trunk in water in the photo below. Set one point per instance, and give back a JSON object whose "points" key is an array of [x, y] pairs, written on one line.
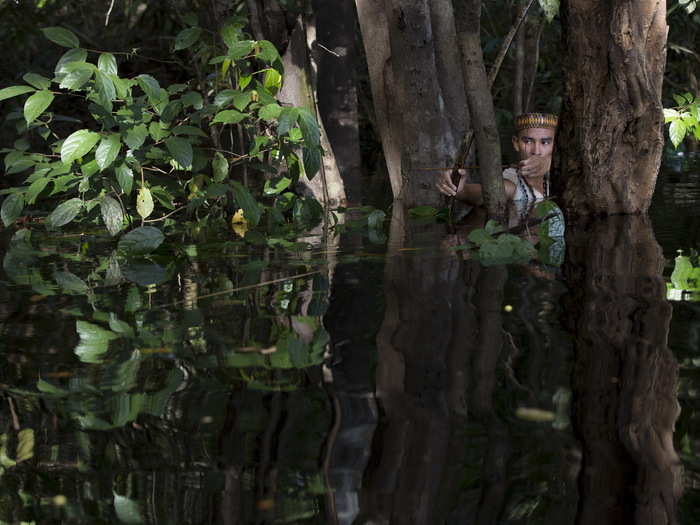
{"points": [[611, 136], [337, 88], [625, 378], [468, 16], [299, 89]]}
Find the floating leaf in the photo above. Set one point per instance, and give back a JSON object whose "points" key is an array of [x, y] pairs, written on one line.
{"points": [[112, 214], [107, 151], [78, 144], [14, 91], [141, 240], [144, 202], [65, 212], [181, 150], [61, 36], [11, 208], [36, 104], [187, 37]]}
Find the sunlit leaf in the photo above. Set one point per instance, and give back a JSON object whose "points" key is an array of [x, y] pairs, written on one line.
{"points": [[676, 132], [94, 341], [36, 80], [108, 150], [120, 327], [107, 63], [78, 144], [77, 76], [275, 186], [125, 178], [144, 202], [36, 104], [14, 91], [25, 444], [69, 57], [270, 112], [61, 36]]}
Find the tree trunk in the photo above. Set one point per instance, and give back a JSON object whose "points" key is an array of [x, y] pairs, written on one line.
{"points": [[478, 91], [611, 136], [337, 88]]}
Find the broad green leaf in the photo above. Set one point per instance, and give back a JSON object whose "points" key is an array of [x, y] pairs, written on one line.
{"points": [[125, 178], [94, 341], [107, 151], [189, 130], [247, 203], [309, 128], [145, 274], [48, 388], [78, 144], [11, 208], [14, 91], [35, 188], [61, 36], [133, 300], [192, 98], [150, 86], [229, 116], [144, 202], [272, 81], [219, 166], [677, 131], [69, 57], [77, 77], [170, 111], [181, 150], [105, 86], [36, 105], [38, 81], [242, 99], [65, 212], [136, 136], [88, 169], [120, 327], [187, 37], [224, 97], [287, 119], [237, 50], [141, 240], [230, 34], [107, 63], [268, 52], [273, 187], [312, 161], [70, 282], [112, 214], [270, 112], [670, 114]]}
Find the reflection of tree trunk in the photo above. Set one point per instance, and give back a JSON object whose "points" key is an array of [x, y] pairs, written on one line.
{"points": [[611, 140], [625, 377]]}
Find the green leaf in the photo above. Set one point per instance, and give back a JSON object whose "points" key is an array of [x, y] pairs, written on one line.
{"points": [[69, 57], [219, 166], [94, 341], [112, 214], [237, 50], [270, 112], [38, 81], [187, 37], [141, 240], [70, 282], [65, 212], [36, 104], [35, 189], [61, 36], [677, 131], [268, 52], [309, 128], [120, 327], [14, 91], [107, 63], [229, 116], [287, 119], [247, 203], [192, 98], [241, 99], [273, 187], [77, 77], [105, 86], [230, 34], [107, 151], [144, 202], [312, 161], [125, 178], [225, 96], [181, 150], [157, 131], [78, 144], [25, 444], [272, 81], [136, 136], [11, 208], [550, 8], [423, 211], [150, 86]]}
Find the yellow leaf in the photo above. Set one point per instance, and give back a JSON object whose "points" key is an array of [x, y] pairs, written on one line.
{"points": [[534, 414], [25, 445], [239, 223]]}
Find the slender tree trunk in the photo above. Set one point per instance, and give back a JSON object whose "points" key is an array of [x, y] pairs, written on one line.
{"points": [[611, 140], [468, 16]]}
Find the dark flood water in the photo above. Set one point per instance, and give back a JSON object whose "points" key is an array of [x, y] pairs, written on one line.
{"points": [[355, 381]]}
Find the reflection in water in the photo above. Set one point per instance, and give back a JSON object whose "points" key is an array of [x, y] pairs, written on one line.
{"points": [[625, 378]]}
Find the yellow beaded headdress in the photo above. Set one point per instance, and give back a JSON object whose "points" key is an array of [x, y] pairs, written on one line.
{"points": [[535, 120]]}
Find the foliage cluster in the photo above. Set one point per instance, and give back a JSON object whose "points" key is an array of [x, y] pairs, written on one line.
{"points": [[684, 119], [144, 148]]}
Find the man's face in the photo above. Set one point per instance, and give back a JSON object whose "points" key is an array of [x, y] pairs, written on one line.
{"points": [[534, 142]]}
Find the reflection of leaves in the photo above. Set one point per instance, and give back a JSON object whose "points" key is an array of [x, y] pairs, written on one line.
{"points": [[141, 240], [94, 341], [25, 445], [70, 282], [128, 510], [145, 274], [120, 327]]}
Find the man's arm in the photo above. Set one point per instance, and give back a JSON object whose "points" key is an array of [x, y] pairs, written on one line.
{"points": [[467, 192]]}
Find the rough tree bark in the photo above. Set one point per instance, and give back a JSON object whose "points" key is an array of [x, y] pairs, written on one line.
{"points": [[478, 91], [610, 140]]}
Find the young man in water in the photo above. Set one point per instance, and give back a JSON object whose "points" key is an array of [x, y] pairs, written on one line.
{"points": [[529, 182]]}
